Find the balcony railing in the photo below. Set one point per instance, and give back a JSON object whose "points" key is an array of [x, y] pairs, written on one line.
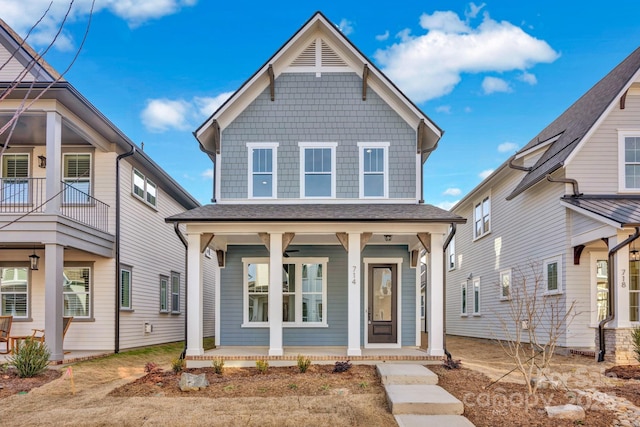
{"points": [[28, 195]]}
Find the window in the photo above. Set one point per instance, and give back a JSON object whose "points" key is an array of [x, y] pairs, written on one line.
{"points": [[552, 270], [634, 291], [77, 177], [15, 182], [505, 284], [257, 283], [481, 218], [463, 299], [144, 188], [422, 306], [629, 155], [175, 292], [374, 164], [125, 288], [318, 169], [476, 296], [76, 291], [263, 177], [164, 294], [14, 291], [451, 262]]}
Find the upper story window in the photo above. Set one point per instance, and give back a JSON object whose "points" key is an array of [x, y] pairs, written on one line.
{"points": [[144, 188], [374, 167], [76, 173], [263, 167], [481, 218], [15, 183], [629, 154], [317, 170], [14, 292]]}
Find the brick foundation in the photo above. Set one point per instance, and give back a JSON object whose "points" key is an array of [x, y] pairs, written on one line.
{"points": [[618, 346]]}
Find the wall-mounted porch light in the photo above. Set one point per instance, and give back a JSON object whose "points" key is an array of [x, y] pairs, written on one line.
{"points": [[34, 260], [634, 253], [42, 162], [387, 237]]}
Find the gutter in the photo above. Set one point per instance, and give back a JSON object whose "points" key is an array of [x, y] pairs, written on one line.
{"points": [[444, 292], [117, 305], [610, 299], [176, 227]]}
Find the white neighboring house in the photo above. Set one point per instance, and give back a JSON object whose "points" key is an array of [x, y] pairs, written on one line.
{"points": [[585, 220], [78, 197]]}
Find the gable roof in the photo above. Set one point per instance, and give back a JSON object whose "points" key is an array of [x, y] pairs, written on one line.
{"points": [[571, 126], [294, 50]]}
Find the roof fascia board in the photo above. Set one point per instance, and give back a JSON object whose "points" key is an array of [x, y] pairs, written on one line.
{"points": [[314, 227], [591, 215], [481, 188], [538, 147]]}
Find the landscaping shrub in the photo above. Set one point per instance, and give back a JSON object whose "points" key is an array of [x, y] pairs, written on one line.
{"points": [[303, 363], [218, 366], [262, 366], [177, 365], [30, 358], [342, 366], [635, 338]]}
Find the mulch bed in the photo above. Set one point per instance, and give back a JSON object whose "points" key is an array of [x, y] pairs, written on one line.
{"points": [[249, 382], [630, 390], [11, 383], [508, 404]]}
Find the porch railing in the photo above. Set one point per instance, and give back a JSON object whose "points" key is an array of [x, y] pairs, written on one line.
{"points": [[28, 195]]}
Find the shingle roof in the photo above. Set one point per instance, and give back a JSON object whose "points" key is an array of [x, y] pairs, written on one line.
{"points": [[575, 122], [320, 212], [623, 210]]}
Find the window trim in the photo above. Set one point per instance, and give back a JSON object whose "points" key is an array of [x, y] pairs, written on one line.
{"points": [[67, 181], [622, 134], [145, 196], [28, 178], [464, 299], [128, 269], [361, 174], [502, 274], [167, 299], [174, 275], [12, 264], [486, 197], [303, 146], [477, 296], [545, 263], [90, 266], [273, 146]]}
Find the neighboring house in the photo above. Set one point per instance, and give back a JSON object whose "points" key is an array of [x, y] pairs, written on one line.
{"points": [[318, 215], [578, 237], [78, 198]]}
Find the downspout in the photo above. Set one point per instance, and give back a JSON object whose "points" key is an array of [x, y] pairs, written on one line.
{"points": [[610, 298], [176, 227], [573, 182], [117, 305], [444, 291]]}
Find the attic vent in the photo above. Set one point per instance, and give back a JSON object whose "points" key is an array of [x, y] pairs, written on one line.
{"points": [[307, 58], [330, 58]]}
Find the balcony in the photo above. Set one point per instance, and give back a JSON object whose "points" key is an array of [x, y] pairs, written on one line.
{"points": [[27, 196]]}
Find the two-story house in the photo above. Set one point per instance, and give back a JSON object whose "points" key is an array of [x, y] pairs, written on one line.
{"points": [[568, 205], [318, 217], [82, 230]]}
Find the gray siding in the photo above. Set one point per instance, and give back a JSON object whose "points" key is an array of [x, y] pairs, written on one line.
{"points": [[318, 109]]}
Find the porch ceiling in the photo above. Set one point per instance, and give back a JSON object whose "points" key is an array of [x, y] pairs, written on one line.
{"points": [[32, 127]]}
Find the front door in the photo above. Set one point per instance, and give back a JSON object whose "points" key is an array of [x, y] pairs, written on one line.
{"points": [[382, 304]]}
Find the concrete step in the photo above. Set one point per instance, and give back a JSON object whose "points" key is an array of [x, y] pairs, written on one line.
{"points": [[432, 421], [422, 399], [395, 373]]}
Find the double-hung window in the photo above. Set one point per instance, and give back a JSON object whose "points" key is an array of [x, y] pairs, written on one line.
{"points": [[77, 177], [481, 218], [15, 179], [76, 291], [263, 169], [14, 291], [374, 167], [125, 288], [629, 155], [145, 189], [552, 273], [317, 169]]}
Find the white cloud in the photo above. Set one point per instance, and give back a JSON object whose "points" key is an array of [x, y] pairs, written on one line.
{"points": [[208, 105], [345, 26], [473, 10], [485, 173], [507, 147], [452, 192], [494, 84], [430, 65], [528, 78], [444, 109], [21, 15], [447, 205], [207, 174], [383, 37]]}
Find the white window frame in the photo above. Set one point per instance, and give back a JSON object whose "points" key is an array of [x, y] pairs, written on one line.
{"points": [[505, 274], [362, 146], [18, 198], [298, 262], [129, 270], [26, 293], [483, 215], [165, 299], [89, 293], [70, 180], [556, 259], [328, 145], [477, 297], [622, 134], [174, 288], [273, 146], [464, 299], [147, 183]]}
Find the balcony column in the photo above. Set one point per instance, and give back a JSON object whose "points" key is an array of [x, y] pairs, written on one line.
{"points": [[353, 295], [194, 296], [53, 309], [435, 297], [54, 162], [275, 295]]}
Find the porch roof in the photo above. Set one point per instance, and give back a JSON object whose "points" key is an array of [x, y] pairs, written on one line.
{"points": [[620, 209], [318, 212]]}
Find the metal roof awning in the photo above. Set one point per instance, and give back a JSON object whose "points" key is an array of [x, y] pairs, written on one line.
{"points": [[619, 210]]}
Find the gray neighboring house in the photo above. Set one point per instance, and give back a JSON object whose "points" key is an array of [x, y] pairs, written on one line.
{"points": [[579, 227], [318, 219]]}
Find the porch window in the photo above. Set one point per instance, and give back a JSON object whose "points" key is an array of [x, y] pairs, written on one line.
{"points": [[374, 166], [175, 292], [505, 284], [125, 288], [629, 155], [312, 292], [318, 170], [602, 288], [145, 189], [463, 299], [262, 170], [552, 273], [482, 218], [76, 290], [15, 182], [14, 291], [634, 291], [257, 285], [164, 294], [77, 177], [476, 296]]}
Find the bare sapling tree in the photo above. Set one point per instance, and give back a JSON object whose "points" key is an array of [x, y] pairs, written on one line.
{"points": [[533, 323]]}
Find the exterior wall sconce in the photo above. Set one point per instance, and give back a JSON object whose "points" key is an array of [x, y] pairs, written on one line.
{"points": [[42, 162], [34, 261], [387, 237], [634, 253]]}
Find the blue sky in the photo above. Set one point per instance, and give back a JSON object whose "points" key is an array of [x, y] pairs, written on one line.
{"points": [[492, 75]]}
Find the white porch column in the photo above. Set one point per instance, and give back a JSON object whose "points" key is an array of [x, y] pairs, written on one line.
{"points": [[275, 295], [621, 294], [54, 162], [53, 312], [353, 295], [435, 297], [194, 296]]}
